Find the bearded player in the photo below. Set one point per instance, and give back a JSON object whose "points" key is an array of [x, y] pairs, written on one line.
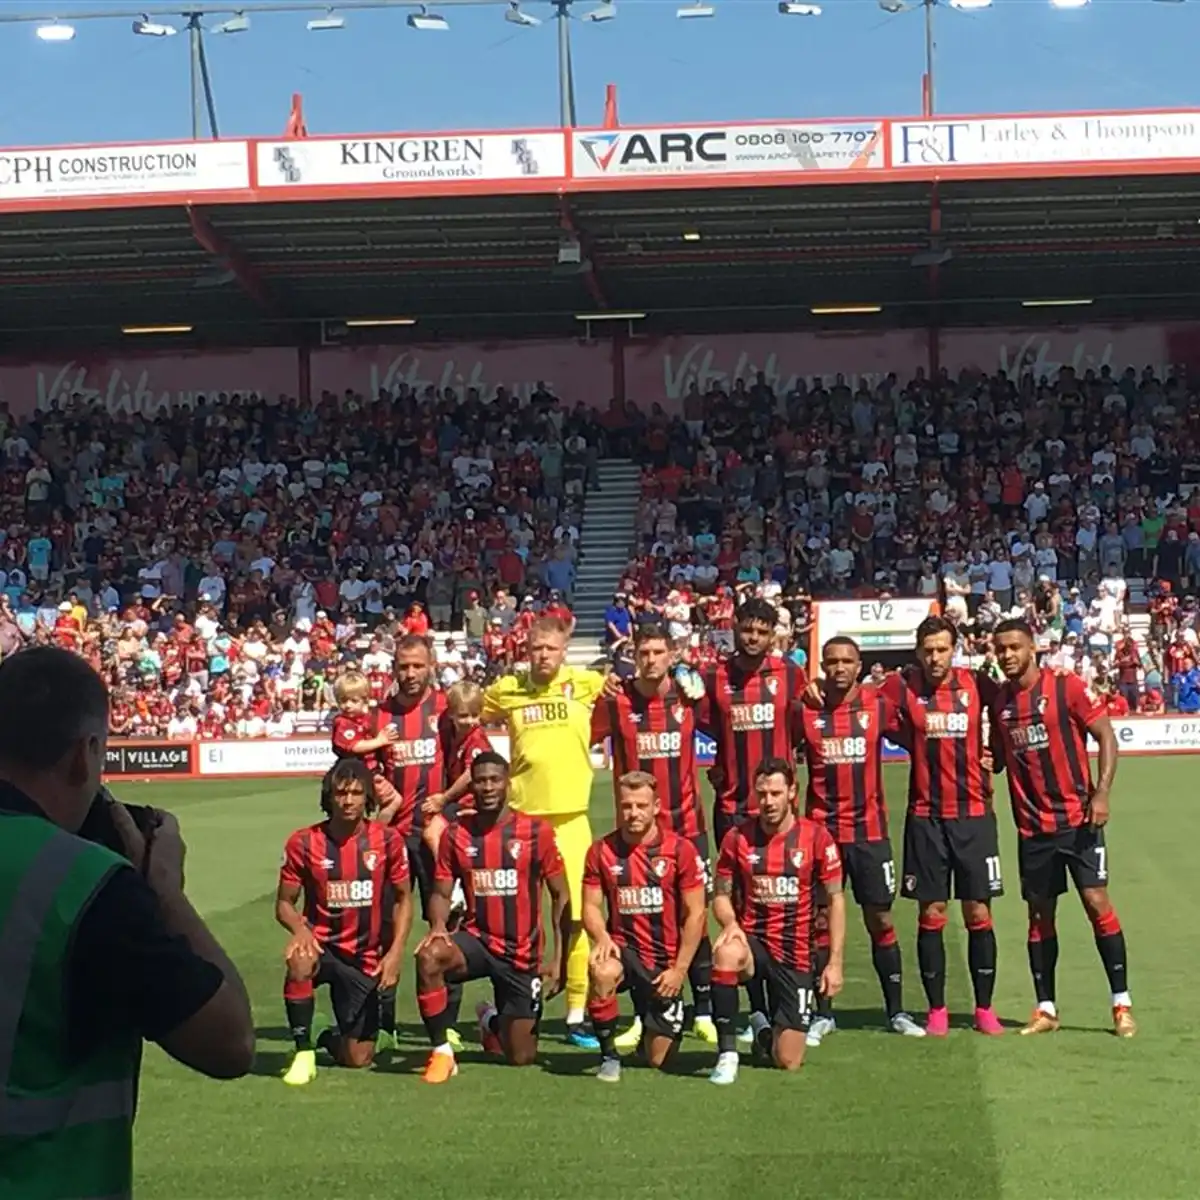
{"points": [[768, 874], [747, 710], [349, 869], [650, 723], [653, 884], [841, 740], [1043, 720], [502, 858], [417, 712]]}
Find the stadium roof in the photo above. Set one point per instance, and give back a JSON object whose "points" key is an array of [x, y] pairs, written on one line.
{"points": [[694, 253]]}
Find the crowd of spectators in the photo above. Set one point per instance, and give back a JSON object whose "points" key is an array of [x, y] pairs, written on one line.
{"points": [[995, 495], [221, 565]]}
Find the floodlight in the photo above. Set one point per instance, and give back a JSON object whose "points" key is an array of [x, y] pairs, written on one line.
{"points": [[970, 5], [148, 28], [515, 16], [606, 11], [1069, 3], [238, 23], [790, 9], [427, 21], [56, 31], [330, 22], [692, 11]]}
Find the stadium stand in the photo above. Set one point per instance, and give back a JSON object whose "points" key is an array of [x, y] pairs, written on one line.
{"points": [[221, 565]]}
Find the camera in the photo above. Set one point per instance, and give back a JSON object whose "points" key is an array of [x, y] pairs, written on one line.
{"points": [[99, 827]]}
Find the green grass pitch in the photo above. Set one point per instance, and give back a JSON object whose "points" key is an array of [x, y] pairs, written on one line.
{"points": [[875, 1116]]}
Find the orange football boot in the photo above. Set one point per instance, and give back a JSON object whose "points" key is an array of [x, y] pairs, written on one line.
{"points": [[1124, 1026], [1040, 1022], [440, 1068]]}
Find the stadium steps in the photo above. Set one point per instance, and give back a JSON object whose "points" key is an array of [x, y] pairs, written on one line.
{"points": [[605, 537]]}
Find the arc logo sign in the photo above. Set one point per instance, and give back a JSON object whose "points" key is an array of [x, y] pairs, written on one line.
{"points": [[735, 149]]}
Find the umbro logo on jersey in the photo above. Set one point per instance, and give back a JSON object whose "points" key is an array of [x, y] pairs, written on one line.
{"points": [[327, 864], [615, 869], [472, 851], [753, 857], [635, 718]]}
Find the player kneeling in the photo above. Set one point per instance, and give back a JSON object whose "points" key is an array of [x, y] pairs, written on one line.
{"points": [[652, 882], [501, 858], [767, 874], [354, 876]]}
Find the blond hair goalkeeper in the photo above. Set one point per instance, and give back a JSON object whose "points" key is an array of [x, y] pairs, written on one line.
{"points": [[548, 712]]}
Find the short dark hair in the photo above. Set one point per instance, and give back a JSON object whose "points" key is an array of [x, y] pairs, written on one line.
{"points": [[1014, 625], [841, 640], [348, 770], [935, 624], [48, 698], [776, 766], [413, 641], [489, 758], [651, 631], [757, 609]]}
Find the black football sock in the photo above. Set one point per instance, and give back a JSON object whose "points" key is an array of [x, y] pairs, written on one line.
{"points": [[1110, 942], [756, 989], [454, 994], [300, 1005], [433, 1005], [981, 959], [325, 1042], [700, 978], [885, 956], [1043, 960], [822, 1004], [931, 958], [604, 1014], [725, 1009], [387, 1010]]}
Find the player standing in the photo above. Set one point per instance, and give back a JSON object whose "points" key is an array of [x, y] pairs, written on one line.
{"points": [[416, 710], [345, 866], [549, 717], [747, 710], [842, 743], [653, 884], [501, 858], [950, 835], [1043, 719], [651, 725], [768, 874]]}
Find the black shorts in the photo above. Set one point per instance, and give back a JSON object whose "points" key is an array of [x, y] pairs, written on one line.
{"points": [[518, 994], [789, 992], [352, 993], [1044, 860], [420, 869], [939, 851], [660, 1018], [871, 871]]}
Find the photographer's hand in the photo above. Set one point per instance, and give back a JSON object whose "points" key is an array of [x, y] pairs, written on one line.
{"points": [[160, 859]]}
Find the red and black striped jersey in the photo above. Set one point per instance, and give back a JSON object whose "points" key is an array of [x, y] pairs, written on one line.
{"points": [[350, 729], [501, 866], [643, 888], [656, 734], [749, 715], [418, 753], [843, 750], [459, 755], [945, 730], [1043, 731], [774, 880], [346, 886]]}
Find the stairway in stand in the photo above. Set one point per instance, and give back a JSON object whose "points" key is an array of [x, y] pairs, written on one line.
{"points": [[606, 539]]}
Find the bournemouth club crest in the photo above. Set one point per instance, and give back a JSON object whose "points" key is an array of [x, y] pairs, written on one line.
{"points": [[514, 849], [864, 721], [370, 860], [798, 859], [660, 867]]}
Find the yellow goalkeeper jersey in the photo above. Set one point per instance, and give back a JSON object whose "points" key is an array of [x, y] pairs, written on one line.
{"points": [[550, 733]]}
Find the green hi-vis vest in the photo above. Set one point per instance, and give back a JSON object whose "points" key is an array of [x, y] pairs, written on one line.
{"points": [[66, 1130]]}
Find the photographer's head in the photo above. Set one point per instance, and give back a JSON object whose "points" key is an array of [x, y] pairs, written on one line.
{"points": [[53, 731]]}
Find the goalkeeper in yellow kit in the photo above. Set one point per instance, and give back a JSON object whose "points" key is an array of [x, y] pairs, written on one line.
{"points": [[549, 717]]}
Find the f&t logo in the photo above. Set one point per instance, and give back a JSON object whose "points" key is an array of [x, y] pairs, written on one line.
{"points": [[935, 143]]}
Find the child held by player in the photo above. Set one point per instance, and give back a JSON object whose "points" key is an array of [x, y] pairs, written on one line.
{"points": [[464, 707], [355, 733]]}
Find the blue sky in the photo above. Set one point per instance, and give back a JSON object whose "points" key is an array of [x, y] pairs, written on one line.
{"points": [[748, 62]]}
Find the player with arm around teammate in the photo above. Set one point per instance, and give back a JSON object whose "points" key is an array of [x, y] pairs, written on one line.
{"points": [[767, 877], [652, 882], [347, 867], [502, 858], [1042, 720]]}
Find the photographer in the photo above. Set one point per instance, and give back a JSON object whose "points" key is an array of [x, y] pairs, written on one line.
{"points": [[96, 954]]}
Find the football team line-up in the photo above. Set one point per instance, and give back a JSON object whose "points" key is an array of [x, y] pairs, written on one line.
{"points": [[418, 803]]}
